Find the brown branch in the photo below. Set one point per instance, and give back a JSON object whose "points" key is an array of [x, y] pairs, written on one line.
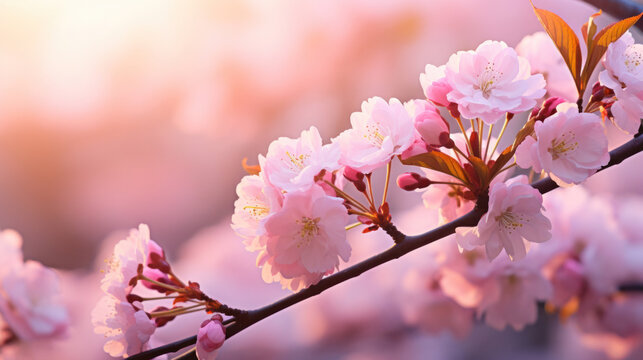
{"points": [[405, 246]]}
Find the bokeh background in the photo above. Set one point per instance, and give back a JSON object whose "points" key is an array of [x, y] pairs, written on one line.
{"points": [[118, 112]]}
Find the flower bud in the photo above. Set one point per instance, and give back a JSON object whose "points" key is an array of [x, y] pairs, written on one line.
{"points": [[131, 298], [410, 181], [352, 175], [156, 258], [430, 125], [210, 337], [156, 275], [453, 110], [547, 109], [446, 141], [161, 321]]}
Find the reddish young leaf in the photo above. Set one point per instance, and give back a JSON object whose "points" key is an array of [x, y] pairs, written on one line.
{"points": [[481, 169], [599, 45], [438, 161], [565, 40], [502, 159], [589, 29]]}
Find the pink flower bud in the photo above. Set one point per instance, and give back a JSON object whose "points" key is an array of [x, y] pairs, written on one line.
{"points": [[410, 181], [446, 141], [547, 109], [161, 321], [210, 338], [156, 275], [430, 124], [356, 177], [156, 257]]}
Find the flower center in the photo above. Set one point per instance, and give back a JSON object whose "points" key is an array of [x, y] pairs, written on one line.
{"points": [[374, 134], [256, 211], [560, 146], [487, 78], [295, 162], [309, 229], [510, 221], [633, 57]]}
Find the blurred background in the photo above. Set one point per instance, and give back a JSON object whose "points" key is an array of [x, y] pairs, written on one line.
{"points": [[114, 113]]}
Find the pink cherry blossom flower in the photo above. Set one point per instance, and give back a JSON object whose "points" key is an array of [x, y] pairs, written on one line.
{"points": [[544, 58], [519, 286], [123, 264], [30, 302], [257, 200], [505, 292], [379, 132], [514, 216], [627, 109], [435, 85], [305, 239], [428, 121], [623, 63], [426, 304], [210, 338], [568, 145], [292, 164], [491, 81], [126, 326]]}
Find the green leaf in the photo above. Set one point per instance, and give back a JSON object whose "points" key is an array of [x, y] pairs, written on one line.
{"points": [[598, 46], [438, 161], [564, 39]]}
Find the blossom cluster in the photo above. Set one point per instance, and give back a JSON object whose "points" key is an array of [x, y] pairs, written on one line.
{"points": [[120, 315], [295, 207], [579, 275]]}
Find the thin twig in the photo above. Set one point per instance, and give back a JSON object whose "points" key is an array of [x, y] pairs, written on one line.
{"points": [[388, 179]]}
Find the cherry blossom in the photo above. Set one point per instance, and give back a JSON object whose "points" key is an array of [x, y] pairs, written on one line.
{"points": [[569, 145], [429, 124], [514, 216], [123, 264], [126, 326], [305, 239], [30, 302], [257, 200], [292, 164], [210, 338], [505, 292], [426, 304], [379, 132], [627, 109], [623, 63], [435, 85], [544, 58], [518, 287], [491, 81]]}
